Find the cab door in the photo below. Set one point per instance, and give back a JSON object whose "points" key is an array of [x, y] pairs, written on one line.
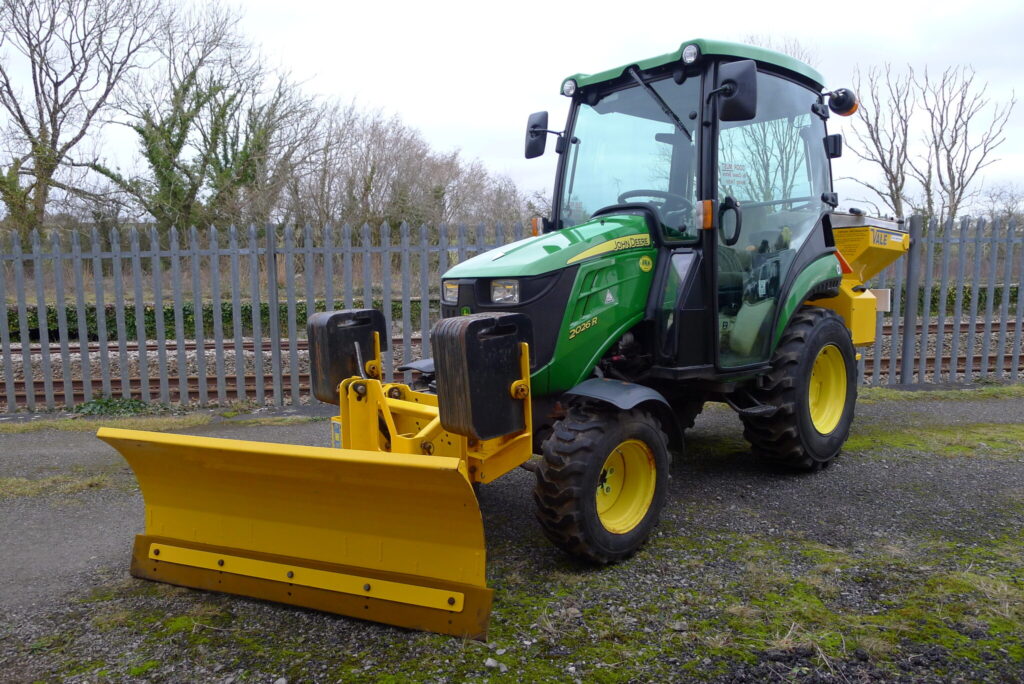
{"points": [[774, 167]]}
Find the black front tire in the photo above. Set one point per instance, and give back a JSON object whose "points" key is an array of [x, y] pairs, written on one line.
{"points": [[790, 437], [583, 507]]}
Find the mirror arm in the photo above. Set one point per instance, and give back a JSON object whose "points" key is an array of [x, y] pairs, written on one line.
{"points": [[727, 89]]}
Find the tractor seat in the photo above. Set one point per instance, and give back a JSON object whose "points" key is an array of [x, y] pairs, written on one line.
{"points": [[731, 274], [425, 366]]}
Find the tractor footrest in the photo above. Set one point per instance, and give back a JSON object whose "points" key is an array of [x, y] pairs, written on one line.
{"points": [[760, 411]]}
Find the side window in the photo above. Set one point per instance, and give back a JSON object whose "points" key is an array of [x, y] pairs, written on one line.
{"points": [[771, 165], [775, 166]]}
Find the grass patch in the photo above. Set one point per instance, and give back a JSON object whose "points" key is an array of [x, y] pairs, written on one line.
{"points": [[279, 420], [14, 487], [870, 395], [986, 440], [911, 601], [155, 423], [115, 406], [143, 668]]}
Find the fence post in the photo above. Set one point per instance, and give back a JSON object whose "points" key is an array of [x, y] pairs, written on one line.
{"points": [[929, 274], [57, 249], [256, 313], [80, 318], [910, 302], [1018, 345], [1004, 305], [42, 316], [135, 247], [5, 337], [958, 303], [197, 308]]}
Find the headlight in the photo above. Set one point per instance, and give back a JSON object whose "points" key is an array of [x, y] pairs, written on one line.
{"points": [[690, 54], [569, 88], [504, 291], [450, 292]]}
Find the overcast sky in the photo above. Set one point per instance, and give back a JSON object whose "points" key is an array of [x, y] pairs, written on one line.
{"points": [[467, 74]]}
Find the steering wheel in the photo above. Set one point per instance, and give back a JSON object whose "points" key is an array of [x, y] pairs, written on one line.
{"points": [[673, 201]]}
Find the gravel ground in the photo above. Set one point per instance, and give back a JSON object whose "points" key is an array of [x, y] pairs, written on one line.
{"points": [[902, 562]]}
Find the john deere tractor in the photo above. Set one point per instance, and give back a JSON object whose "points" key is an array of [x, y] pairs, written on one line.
{"points": [[694, 253]]}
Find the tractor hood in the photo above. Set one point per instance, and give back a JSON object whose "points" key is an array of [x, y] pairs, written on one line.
{"points": [[552, 251]]}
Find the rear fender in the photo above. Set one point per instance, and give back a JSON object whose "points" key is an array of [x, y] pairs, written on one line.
{"points": [[626, 396]]}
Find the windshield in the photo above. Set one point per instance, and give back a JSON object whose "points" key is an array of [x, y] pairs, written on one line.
{"points": [[628, 149]]}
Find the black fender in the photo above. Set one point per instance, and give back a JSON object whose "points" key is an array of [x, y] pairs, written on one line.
{"points": [[627, 395]]}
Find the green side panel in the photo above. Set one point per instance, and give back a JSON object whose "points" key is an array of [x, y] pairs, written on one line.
{"points": [[558, 249], [608, 299], [709, 47], [824, 268]]}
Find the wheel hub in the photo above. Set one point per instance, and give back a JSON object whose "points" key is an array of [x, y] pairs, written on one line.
{"points": [[625, 487], [826, 389]]}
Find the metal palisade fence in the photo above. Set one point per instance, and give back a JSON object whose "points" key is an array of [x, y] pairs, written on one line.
{"points": [[219, 315], [208, 315], [957, 308]]}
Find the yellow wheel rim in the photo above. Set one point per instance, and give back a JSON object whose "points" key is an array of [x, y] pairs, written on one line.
{"points": [[625, 488], [826, 392]]}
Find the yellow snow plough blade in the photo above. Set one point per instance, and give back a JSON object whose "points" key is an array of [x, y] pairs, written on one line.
{"points": [[390, 537]]}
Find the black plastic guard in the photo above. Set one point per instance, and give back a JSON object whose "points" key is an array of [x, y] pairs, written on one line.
{"points": [[627, 395], [620, 394]]}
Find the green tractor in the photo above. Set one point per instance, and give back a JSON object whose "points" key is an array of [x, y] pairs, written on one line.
{"points": [[690, 256], [693, 254]]}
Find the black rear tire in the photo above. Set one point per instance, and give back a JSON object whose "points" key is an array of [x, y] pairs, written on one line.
{"points": [[583, 505], [792, 437]]}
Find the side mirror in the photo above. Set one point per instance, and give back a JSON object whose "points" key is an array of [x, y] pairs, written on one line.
{"points": [[536, 134], [843, 102], [737, 91]]}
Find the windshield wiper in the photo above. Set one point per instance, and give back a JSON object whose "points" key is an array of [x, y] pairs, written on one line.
{"points": [[634, 72]]}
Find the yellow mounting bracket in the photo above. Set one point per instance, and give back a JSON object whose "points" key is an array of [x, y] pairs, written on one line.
{"points": [[520, 389], [373, 366], [393, 418]]}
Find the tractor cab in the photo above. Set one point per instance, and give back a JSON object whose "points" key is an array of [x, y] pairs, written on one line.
{"points": [[723, 149]]}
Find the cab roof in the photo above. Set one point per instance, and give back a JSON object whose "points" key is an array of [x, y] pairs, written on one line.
{"points": [[708, 47]]}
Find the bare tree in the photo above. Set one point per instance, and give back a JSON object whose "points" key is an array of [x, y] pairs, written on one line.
{"points": [[218, 133], [786, 45], [366, 167], [316, 195], [960, 140], [74, 53], [960, 128], [1003, 202], [882, 131]]}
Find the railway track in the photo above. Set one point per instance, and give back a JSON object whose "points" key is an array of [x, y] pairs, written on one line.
{"points": [[232, 389], [248, 388], [228, 345], [171, 346]]}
